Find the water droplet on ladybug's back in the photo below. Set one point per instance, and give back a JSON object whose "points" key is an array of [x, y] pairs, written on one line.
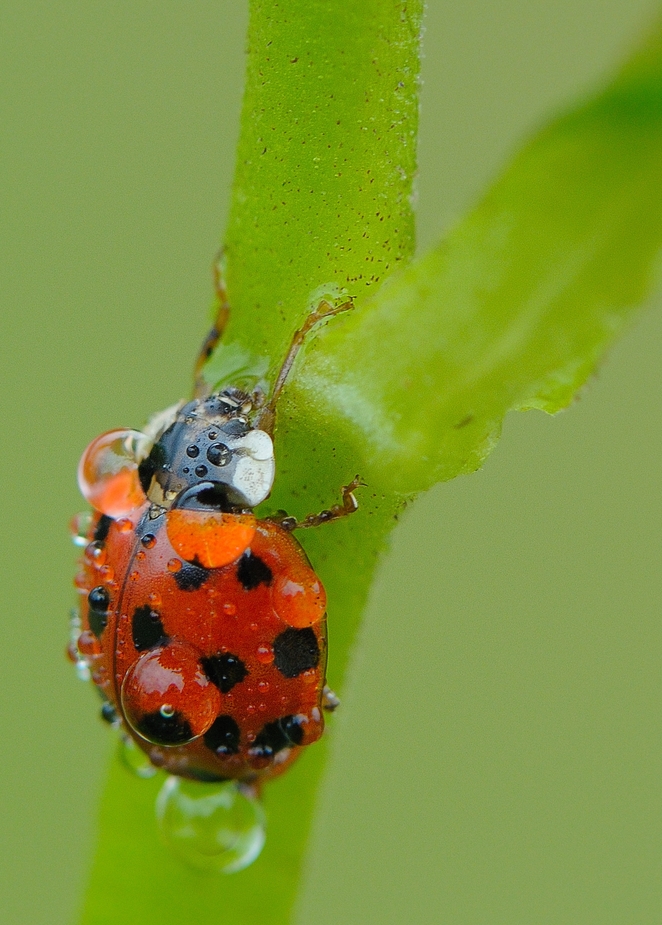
{"points": [[166, 696], [265, 653]]}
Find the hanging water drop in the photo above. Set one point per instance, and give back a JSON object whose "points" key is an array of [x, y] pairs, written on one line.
{"points": [[212, 827]]}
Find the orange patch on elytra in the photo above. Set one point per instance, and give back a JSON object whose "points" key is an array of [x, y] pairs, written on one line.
{"points": [[211, 538]]}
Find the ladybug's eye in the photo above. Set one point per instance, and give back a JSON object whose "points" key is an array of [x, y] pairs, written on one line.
{"points": [[108, 472]]}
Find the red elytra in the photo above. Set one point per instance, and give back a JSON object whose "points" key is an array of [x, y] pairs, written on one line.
{"points": [[216, 673]]}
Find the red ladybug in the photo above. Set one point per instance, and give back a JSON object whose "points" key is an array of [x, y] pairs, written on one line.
{"points": [[203, 627]]}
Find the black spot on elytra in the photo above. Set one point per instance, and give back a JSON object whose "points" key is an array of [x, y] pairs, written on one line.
{"points": [[191, 577], [165, 730], [224, 670], [295, 651], [222, 736], [252, 571], [146, 628], [274, 737], [102, 528], [97, 616]]}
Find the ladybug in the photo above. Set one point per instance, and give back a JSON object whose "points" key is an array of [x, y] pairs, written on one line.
{"points": [[202, 626]]}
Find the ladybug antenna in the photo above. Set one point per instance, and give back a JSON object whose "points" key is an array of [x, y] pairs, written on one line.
{"points": [[202, 388]]}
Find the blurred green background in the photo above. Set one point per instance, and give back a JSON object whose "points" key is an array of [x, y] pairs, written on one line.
{"points": [[497, 758]]}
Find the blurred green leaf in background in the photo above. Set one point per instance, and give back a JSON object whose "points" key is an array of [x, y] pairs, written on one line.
{"points": [[512, 310]]}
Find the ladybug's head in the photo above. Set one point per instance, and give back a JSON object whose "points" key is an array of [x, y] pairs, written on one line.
{"points": [[206, 455]]}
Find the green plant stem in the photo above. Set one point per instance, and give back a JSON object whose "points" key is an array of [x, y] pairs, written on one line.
{"points": [[321, 204]]}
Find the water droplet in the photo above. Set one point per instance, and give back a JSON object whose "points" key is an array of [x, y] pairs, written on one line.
{"points": [[82, 670], [213, 434], [250, 709], [212, 827], [265, 654], [253, 627], [148, 540], [107, 572], [124, 525], [99, 599], [140, 555], [79, 527], [109, 714], [134, 576], [135, 759], [263, 686], [192, 451], [218, 454], [108, 472], [174, 565], [82, 667], [230, 609], [166, 697], [88, 644], [154, 598], [201, 471], [95, 554]]}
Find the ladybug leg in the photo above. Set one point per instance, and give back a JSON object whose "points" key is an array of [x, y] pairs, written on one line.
{"points": [[216, 332], [348, 505], [267, 416], [330, 700]]}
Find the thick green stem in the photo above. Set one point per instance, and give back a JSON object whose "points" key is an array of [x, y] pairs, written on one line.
{"points": [[321, 205]]}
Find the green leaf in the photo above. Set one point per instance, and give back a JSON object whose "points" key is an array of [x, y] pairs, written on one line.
{"points": [[512, 311], [515, 308]]}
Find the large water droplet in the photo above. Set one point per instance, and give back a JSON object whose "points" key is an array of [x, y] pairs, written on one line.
{"points": [[134, 758], [213, 827], [108, 472]]}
